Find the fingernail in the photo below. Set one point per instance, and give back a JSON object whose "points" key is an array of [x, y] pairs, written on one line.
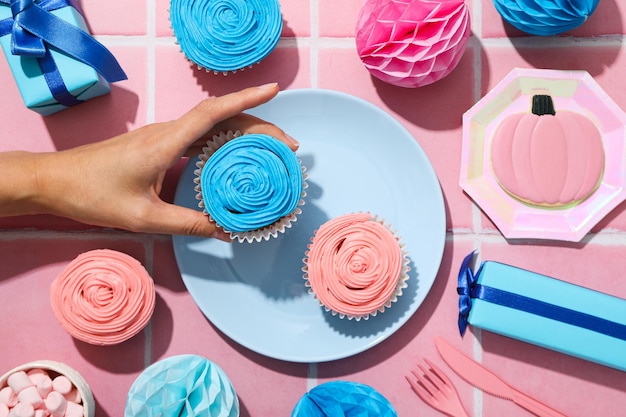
{"points": [[267, 86], [220, 234], [292, 140]]}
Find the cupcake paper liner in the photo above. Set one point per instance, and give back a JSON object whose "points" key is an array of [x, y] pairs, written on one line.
{"points": [[103, 297], [54, 368], [183, 385], [355, 279], [226, 36], [262, 233]]}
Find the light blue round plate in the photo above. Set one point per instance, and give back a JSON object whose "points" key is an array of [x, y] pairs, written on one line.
{"points": [[358, 158]]}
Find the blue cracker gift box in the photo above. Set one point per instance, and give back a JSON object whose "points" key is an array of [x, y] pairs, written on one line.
{"points": [[544, 311], [55, 62]]}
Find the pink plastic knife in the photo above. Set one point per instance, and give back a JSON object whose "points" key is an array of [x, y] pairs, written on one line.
{"points": [[482, 378]]}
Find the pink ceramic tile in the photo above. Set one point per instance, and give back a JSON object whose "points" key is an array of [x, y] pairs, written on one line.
{"points": [[94, 120], [97, 119], [338, 18], [385, 366], [296, 18], [567, 383], [432, 114], [180, 327], [606, 20], [29, 266], [181, 86], [116, 17], [602, 62]]}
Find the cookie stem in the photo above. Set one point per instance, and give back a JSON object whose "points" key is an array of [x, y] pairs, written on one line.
{"points": [[542, 105]]}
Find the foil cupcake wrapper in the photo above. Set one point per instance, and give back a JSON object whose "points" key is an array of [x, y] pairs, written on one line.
{"points": [[400, 286], [258, 235]]}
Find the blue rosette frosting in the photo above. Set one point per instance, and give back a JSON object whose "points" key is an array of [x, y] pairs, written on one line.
{"points": [[545, 17], [250, 185], [343, 399], [226, 35], [182, 386]]}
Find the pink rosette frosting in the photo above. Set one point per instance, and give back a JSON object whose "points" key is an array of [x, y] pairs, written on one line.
{"points": [[412, 43], [355, 266], [103, 297]]}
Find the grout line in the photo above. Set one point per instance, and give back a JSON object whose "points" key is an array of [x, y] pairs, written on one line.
{"points": [[314, 42], [311, 377], [151, 61]]}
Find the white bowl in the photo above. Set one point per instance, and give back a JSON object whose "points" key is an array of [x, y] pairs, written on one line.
{"points": [[59, 368]]}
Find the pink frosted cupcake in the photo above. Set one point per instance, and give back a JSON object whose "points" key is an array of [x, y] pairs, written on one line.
{"points": [[103, 297], [355, 266]]}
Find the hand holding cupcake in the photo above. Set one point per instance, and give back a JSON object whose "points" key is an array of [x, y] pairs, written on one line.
{"points": [[251, 186]]}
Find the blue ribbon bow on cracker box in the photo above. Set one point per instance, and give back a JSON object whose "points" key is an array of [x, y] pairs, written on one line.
{"points": [[56, 63], [544, 311]]}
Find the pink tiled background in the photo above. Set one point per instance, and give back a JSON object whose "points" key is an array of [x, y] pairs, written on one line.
{"points": [[316, 51]]}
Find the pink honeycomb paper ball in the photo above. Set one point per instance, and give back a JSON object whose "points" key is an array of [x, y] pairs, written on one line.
{"points": [[412, 43]]}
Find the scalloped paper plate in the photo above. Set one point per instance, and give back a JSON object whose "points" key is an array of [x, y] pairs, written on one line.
{"points": [[358, 158], [575, 91]]}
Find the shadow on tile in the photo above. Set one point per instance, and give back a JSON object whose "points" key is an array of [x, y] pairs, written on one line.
{"points": [[431, 106], [561, 363], [95, 120], [281, 65]]}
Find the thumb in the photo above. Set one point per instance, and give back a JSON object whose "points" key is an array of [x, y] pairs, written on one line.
{"points": [[171, 219], [201, 118]]}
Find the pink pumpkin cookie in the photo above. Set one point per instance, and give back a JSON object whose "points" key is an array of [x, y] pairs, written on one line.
{"points": [[547, 158]]}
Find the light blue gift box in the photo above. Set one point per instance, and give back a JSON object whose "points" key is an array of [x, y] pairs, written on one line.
{"points": [[543, 311], [81, 80]]}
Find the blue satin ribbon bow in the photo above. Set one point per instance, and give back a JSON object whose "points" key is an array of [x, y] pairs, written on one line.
{"points": [[33, 29], [469, 289]]}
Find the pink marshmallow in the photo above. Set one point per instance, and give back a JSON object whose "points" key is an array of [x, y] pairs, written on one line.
{"points": [[74, 396], [74, 410], [42, 413], [62, 384], [8, 396], [56, 404], [18, 381], [44, 386], [22, 410], [4, 410], [30, 395], [36, 374]]}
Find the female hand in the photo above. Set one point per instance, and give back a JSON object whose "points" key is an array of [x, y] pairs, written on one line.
{"points": [[116, 182]]}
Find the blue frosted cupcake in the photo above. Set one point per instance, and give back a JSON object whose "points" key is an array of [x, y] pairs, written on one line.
{"points": [[251, 186], [226, 35], [545, 17], [343, 398], [182, 385]]}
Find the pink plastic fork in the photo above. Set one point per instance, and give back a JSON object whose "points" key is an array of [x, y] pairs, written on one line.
{"points": [[436, 389]]}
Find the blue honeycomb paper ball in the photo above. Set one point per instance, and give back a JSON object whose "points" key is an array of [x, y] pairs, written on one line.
{"points": [[343, 399], [545, 17]]}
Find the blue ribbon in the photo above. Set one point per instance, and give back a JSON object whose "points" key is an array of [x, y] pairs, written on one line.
{"points": [[469, 289], [33, 29]]}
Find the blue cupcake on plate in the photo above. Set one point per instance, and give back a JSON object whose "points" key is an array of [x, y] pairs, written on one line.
{"points": [[545, 17], [251, 186], [226, 35], [343, 399]]}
